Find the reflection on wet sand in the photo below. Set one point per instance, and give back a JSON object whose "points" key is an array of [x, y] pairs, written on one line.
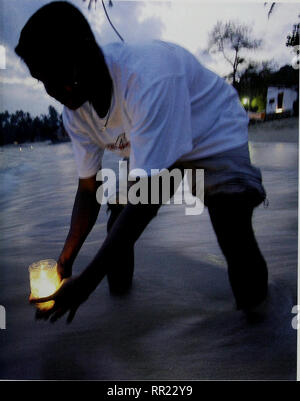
{"points": [[179, 321]]}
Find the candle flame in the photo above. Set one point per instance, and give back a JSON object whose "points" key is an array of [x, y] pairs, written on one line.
{"points": [[44, 281]]}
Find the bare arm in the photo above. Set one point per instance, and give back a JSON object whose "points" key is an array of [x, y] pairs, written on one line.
{"points": [[84, 215], [124, 233]]}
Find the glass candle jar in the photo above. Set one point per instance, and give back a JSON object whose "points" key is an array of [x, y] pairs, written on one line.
{"points": [[44, 281]]}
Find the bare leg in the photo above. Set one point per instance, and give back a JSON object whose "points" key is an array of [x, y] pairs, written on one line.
{"points": [[231, 216], [120, 276]]}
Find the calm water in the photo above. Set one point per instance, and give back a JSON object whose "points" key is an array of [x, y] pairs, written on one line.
{"points": [[179, 321]]}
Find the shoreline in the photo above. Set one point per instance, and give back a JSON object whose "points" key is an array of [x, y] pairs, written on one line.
{"points": [[283, 130]]}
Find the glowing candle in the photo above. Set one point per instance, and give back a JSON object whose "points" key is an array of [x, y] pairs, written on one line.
{"points": [[44, 281]]}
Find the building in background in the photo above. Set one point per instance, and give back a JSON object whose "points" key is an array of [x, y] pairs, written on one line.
{"points": [[281, 101]]}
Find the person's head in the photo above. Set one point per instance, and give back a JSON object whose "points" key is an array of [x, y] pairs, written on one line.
{"points": [[59, 48]]}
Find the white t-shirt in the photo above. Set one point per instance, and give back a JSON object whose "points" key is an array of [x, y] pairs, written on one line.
{"points": [[166, 107]]}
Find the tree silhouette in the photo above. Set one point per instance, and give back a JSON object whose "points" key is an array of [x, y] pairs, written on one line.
{"points": [[230, 38], [293, 39]]}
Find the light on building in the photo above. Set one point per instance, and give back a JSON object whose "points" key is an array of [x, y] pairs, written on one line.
{"points": [[279, 110]]}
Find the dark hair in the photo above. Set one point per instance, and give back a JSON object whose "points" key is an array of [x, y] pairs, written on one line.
{"points": [[56, 29]]}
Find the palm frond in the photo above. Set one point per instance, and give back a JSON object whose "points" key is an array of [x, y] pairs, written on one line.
{"points": [[271, 9]]}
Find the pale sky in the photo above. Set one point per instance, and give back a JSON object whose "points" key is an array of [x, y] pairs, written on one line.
{"points": [[184, 22]]}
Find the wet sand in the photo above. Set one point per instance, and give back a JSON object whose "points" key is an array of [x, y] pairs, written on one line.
{"points": [[179, 322], [282, 130]]}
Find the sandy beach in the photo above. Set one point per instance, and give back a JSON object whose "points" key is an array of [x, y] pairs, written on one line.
{"points": [[284, 130], [179, 322]]}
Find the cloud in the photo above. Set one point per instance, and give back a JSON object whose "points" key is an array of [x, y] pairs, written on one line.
{"points": [[15, 15], [18, 89], [273, 31], [16, 96], [127, 17], [184, 23], [204, 56]]}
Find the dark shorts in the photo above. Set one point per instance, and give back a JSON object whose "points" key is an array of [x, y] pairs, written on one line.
{"points": [[230, 172], [227, 173]]}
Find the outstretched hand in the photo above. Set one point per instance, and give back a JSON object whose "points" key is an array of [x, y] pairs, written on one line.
{"points": [[70, 295]]}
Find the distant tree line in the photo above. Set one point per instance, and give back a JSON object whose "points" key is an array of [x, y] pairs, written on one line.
{"points": [[255, 80], [253, 83], [20, 127]]}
